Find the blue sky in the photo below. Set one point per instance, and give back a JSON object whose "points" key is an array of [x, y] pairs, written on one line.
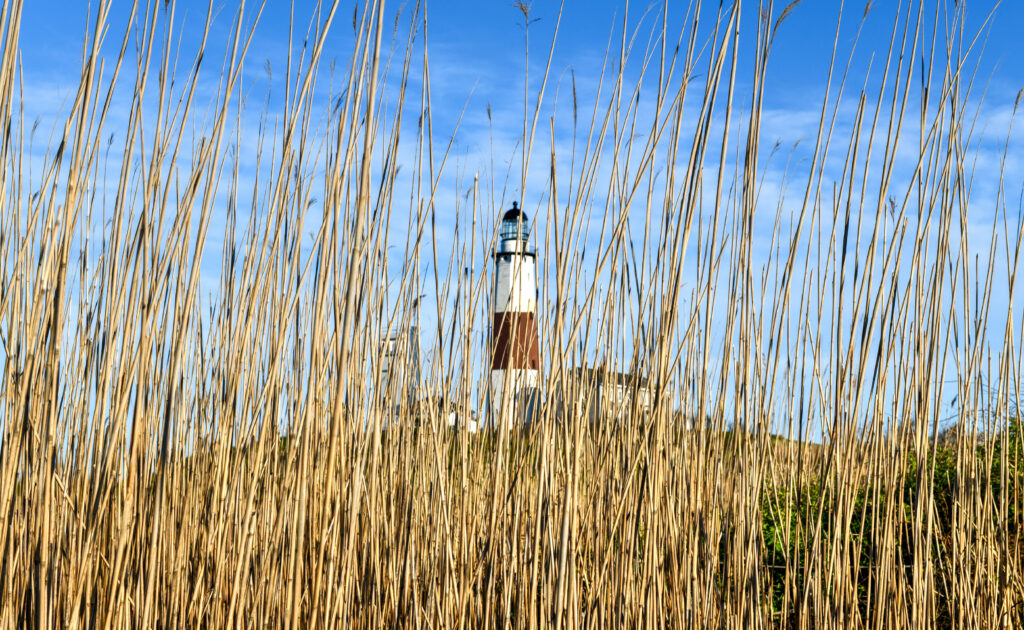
{"points": [[486, 39], [477, 47], [477, 61]]}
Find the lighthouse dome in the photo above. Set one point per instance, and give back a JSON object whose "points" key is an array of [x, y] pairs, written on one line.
{"points": [[515, 224]]}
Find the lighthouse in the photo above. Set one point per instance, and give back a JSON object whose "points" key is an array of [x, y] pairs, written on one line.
{"points": [[515, 351]]}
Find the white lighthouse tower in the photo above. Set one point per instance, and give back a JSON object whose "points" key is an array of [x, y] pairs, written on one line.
{"points": [[515, 347]]}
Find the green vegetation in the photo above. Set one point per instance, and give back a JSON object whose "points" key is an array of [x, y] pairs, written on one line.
{"points": [[953, 481]]}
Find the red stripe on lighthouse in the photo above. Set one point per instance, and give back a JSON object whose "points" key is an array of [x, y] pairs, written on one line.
{"points": [[515, 342]]}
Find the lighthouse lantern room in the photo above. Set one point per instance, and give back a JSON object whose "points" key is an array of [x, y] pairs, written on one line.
{"points": [[515, 351]]}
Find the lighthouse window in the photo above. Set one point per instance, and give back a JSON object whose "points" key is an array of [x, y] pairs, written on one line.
{"points": [[515, 229], [515, 224]]}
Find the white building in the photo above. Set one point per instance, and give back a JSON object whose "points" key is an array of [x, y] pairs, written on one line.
{"points": [[400, 367], [609, 396]]}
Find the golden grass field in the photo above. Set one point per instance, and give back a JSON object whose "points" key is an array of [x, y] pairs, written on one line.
{"points": [[195, 441]]}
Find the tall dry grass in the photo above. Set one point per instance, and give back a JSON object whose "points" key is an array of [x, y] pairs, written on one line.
{"points": [[173, 456]]}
